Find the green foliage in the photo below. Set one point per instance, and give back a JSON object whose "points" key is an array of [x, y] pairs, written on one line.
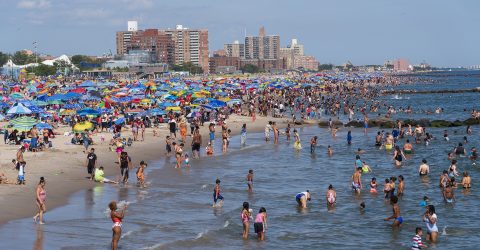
{"points": [[119, 69], [43, 70], [188, 66], [77, 59], [250, 68], [22, 58], [3, 58], [325, 66]]}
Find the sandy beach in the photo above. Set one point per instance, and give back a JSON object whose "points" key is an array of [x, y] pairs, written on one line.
{"points": [[64, 165]]}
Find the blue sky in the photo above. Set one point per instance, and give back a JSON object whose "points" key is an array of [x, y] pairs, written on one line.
{"points": [[441, 32]]}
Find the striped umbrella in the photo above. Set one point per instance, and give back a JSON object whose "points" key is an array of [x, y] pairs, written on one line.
{"points": [[23, 123]]}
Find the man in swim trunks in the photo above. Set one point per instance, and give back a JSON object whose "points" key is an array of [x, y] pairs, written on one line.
{"points": [[357, 180], [424, 168], [408, 148], [378, 139], [398, 220]]}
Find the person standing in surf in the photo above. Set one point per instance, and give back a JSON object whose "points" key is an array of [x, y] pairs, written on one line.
{"points": [[398, 220], [302, 198], [245, 216], [117, 218], [260, 224], [331, 197], [243, 135], [250, 180], [41, 195], [216, 194]]}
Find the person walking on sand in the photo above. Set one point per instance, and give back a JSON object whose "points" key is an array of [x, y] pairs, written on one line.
{"points": [[91, 163], [41, 196], [117, 218]]}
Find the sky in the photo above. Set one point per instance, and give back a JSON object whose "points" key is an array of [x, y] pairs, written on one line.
{"points": [[440, 32]]}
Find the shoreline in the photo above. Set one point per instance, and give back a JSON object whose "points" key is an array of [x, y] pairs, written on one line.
{"points": [[63, 179]]}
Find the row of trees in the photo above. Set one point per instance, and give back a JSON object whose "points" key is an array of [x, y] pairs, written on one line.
{"points": [[188, 66]]}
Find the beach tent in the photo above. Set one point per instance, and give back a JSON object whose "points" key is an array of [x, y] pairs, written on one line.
{"points": [[19, 109]]}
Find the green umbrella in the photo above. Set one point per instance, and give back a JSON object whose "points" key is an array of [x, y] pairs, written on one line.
{"points": [[23, 123], [40, 103], [55, 102]]}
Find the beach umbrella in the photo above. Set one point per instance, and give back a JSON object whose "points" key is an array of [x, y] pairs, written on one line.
{"points": [[67, 112], [2, 117], [55, 102], [120, 121], [16, 96], [88, 111], [43, 125], [81, 126], [23, 123], [19, 109]]}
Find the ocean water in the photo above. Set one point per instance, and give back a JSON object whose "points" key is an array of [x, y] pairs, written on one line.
{"points": [[175, 210]]}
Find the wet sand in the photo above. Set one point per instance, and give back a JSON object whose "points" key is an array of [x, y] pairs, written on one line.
{"points": [[64, 165]]}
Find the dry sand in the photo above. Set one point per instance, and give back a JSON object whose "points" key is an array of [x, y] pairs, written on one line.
{"points": [[64, 165]]}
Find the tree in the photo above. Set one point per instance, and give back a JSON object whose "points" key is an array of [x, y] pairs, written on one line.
{"points": [[22, 58], [3, 58], [325, 66], [43, 70], [188, 66], [250, 68]]}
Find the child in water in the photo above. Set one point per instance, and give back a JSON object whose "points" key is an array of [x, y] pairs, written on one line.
{"points": [[187, 161], [140, 174], [373, 185]]}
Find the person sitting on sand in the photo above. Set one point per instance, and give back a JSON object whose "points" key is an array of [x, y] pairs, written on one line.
{"points": [[100, 176], [4, 179]]}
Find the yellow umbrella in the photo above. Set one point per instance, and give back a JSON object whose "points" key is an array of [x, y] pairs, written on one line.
{"points": [[146, 100], [173, 108], [67, 112], [81, 126]]}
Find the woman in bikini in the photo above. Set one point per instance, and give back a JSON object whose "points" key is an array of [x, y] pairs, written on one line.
{"points": [[117, 218], [41, 197]]}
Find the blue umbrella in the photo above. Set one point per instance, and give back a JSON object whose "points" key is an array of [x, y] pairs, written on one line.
{"points": [[19, 109], [120, 121], [43, 125], [88, 111]]}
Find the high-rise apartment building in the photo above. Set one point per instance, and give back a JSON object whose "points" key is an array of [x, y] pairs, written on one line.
{"points": [[172, 46], [295, 58], [235, 49], [262, 46]]}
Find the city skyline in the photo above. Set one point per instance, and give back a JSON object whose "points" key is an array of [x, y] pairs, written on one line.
{"points": [[363, 32]]}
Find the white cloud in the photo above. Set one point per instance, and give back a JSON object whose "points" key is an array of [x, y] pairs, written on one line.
{"points": [[34, 4]]}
